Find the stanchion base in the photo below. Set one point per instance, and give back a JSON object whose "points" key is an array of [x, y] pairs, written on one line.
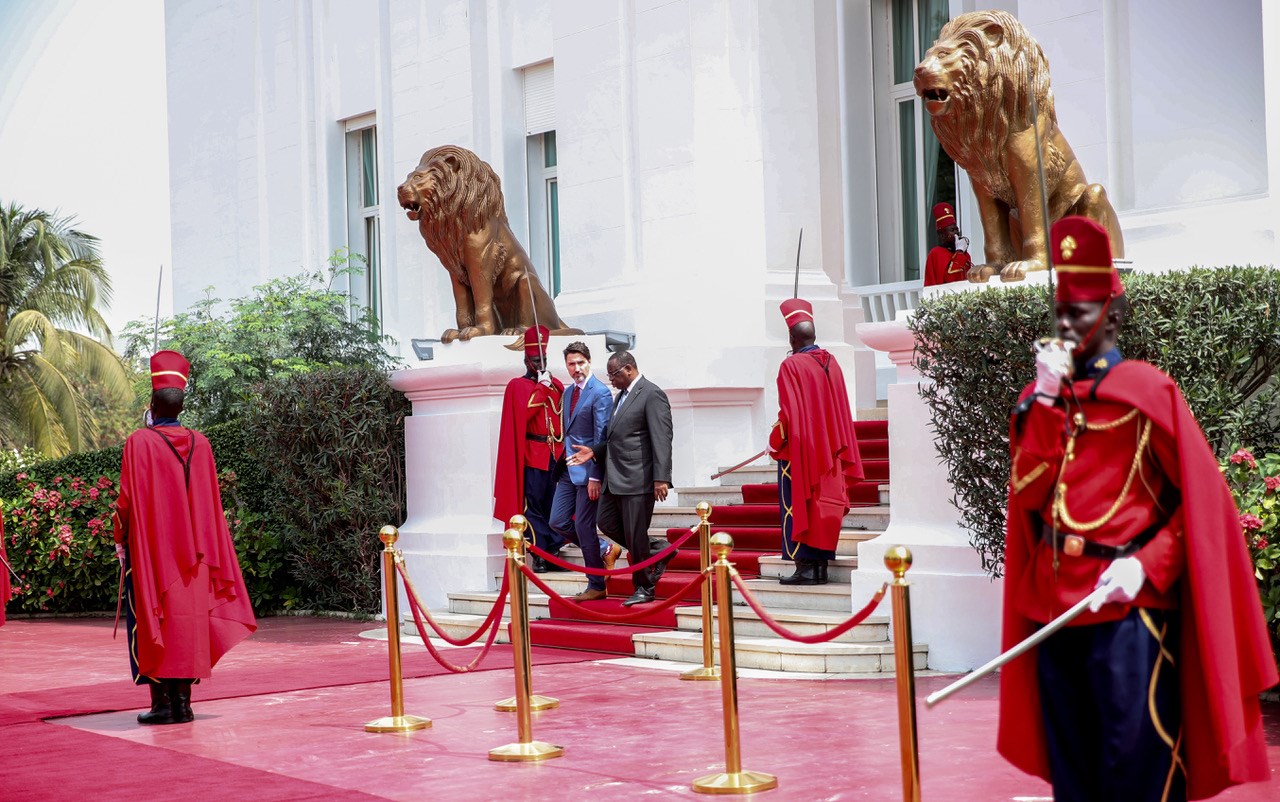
{"points": [[397, 724], [702, 673], [536, 702], [738, 782], [526, 753]]}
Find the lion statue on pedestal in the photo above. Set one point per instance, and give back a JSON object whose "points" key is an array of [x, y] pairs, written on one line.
{"points": [[977, 83], [457, 200]]}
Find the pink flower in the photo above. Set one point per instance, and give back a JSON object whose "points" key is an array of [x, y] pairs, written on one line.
{"points": [[1273, 483], [57, 480], [20, 477], [50, 592], [1250, 521], [1262, 543], [94, 492], [1245, 457]]}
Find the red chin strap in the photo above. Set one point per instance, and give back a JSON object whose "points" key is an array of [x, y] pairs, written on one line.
{"points": [[1102, 315]]}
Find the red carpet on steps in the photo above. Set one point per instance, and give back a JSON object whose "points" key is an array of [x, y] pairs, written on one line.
{"points": [[755, 524]]}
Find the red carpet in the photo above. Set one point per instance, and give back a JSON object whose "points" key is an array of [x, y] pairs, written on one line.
{"points": [[755, 524]]}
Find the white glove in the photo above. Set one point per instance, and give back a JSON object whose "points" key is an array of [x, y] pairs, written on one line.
{"points": [[1053, 364], [1125, 577], [544, 377], [120, 553]]}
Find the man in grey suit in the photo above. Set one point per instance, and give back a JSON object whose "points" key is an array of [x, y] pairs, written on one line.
{"points": [[586, 411], [636, 456]]}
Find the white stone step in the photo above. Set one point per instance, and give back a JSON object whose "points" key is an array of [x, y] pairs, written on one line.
{"points": [[776, 654], [746, 624], [760, 474], [770, 594], [838, 570], [675, 516], [715, 495], [456, 625]]}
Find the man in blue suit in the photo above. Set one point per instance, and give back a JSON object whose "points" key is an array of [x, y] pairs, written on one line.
{"points": [[586, 410]]}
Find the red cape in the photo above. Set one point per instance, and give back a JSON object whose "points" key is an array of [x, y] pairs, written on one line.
{"points": [[172, 527], [942, 266], [508, 480], [1225, 658], [822, 446]]}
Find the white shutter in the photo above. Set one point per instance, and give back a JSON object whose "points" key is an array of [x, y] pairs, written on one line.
{"points": [[539, 99]]}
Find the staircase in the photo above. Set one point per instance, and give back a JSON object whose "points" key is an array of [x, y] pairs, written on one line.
{"points": [[746, 508]]}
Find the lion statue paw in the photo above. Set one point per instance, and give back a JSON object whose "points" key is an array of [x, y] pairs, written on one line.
{"points": [[464, 334], [979, 274], [1017, 271]]}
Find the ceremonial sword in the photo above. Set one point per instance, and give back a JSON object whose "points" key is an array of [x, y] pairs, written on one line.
{"points": [[1026, 645], [10, 567]]}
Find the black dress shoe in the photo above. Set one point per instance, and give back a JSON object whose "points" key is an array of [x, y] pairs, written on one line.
{"points": [[806, 574], [539, 565], [547, 565], [821, 567], [660, 567], [641, 596]]}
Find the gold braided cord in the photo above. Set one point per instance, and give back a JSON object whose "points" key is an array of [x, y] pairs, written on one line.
{"points": [[1118, 422], [1061, 513]]}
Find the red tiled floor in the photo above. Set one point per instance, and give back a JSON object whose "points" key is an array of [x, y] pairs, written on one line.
{"points": [[629, 733]]}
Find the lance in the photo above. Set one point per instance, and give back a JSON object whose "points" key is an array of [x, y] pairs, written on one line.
{"points": [[795, 292], [10, 569], [155, 340], [1044, 192]]}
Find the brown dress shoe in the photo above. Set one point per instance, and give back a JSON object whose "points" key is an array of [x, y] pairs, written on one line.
{"points": [[590, 594], [611, 556]]}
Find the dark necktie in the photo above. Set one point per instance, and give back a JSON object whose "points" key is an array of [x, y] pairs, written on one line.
{"points": [[573, 399]]}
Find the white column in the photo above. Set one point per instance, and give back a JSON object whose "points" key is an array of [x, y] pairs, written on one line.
{"points": [[955, 604]]}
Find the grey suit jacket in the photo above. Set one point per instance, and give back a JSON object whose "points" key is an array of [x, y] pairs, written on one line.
{"points": [[636, 450]]}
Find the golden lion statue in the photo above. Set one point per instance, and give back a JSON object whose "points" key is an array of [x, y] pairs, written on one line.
{"points": [[977, 83], [457, 200]]}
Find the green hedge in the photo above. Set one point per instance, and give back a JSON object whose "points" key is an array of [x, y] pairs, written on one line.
{"points": [[334, 441], [1216, 331]]}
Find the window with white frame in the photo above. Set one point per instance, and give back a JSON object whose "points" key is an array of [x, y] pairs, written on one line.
{"points": [[914, 171], [364, 226], [544, 189]]}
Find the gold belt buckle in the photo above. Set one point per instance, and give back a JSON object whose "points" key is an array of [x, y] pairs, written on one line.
{"points": [[1073, 545]]}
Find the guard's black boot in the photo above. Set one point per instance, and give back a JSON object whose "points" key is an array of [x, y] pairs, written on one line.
{"points": [[160, 712], [821, 566], [806, 574], [180, 701]]}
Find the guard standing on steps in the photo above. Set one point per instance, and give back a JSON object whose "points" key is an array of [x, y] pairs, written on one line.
{"points": [[186, 602], [814, 443], [529, 443]]}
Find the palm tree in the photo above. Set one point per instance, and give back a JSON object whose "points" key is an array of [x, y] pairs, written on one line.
{"points": [[51, 282]]}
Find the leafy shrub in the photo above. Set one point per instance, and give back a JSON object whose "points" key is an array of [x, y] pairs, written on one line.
{"points": [[104, 462], [58, 537], [288, 326], [1255, 483], [1216, 331], [335, 442]]}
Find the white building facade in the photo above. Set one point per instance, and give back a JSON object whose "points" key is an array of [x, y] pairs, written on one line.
{"points": [[659, 159]]}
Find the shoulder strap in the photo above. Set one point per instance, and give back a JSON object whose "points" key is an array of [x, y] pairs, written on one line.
{"points": [[186, 464]]}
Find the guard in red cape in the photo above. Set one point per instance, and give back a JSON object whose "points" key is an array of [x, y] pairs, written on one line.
{"points": [[186, 603], [1152, 693], [816, 449], [944, 263], [529, 443]]}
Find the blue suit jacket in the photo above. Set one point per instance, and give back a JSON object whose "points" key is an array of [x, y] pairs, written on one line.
{"points": [[586, 425]]}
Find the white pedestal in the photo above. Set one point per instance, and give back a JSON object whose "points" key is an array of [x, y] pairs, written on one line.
{"points": [[955, 605]]}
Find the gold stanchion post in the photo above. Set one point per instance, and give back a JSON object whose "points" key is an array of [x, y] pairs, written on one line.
{"points": [[733, 780], [898, 561], [708, 669], [526, 749], [397, 721], [518, 587]]}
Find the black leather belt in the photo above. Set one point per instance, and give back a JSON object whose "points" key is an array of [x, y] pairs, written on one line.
{"points": [[1077, 546], [537, 438]]}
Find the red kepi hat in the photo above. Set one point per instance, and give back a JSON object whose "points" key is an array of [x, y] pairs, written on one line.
{"points": [[534, 342], [796, 310], [943, 215], [169, 369], [1082, 259]]}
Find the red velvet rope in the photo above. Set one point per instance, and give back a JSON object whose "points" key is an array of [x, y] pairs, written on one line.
{"points": [[554, 560], [829, 635], [493, 634], [494, 613], [596, 615]]}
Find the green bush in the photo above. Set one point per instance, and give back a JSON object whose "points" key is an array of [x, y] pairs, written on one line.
{"points": [[1255, 484], [1216, 331], [335, 442]]}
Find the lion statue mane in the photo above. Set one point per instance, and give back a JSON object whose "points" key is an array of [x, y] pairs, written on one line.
{"points": [[977, 82], [457, 201]]}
